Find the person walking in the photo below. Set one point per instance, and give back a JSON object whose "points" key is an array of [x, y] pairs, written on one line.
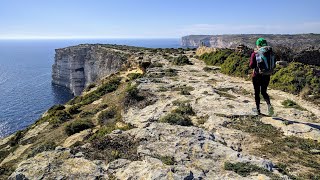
{"points": [[262, 62]]}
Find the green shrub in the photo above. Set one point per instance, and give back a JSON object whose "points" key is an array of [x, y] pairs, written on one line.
{"points": [[90, 87], [291, 104], [105, 88], [167, 160], [184, 109], [56, 108], [176, 118], [244, 169], [107, 115], [77, 126], [155, 64], [133, 76], [181, 60], [75, 109], [46, 146], [216, 58], [132, 95], [16, 138], [236, 65], [295, 77]]}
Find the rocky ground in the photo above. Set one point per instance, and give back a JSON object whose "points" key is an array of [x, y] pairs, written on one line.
{"points": [[186, 122]]}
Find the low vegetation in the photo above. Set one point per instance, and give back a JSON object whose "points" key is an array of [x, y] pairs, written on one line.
{"points": [[180, 115], [245, 169], [110, 86], [110, 148], [45, 146], [77, 126], [289, 150], [181, 60], [291, 104]]}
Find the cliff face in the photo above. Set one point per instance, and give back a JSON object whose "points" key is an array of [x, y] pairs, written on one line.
{"points": [[296, 42], [78, 66]]}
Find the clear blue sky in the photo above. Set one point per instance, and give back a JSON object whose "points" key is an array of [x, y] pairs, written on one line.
{"points": [[154, 18]]}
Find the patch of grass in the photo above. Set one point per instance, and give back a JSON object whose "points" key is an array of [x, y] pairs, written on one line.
{"points": [[133, 76], [132, 95], [290, 150], [179, 116], [184, 109], [216, 58], [74, 109], [77, 126], [170, 72], [156, 64], [178, 119], [55, 117], [167, 160], [291, 104], [109, 148], [46, 146], [211, 69], [225, 94], [203, 119], [245, 169], [7, 169], [163, 89], [56, 108], [90, 86], [16, 138], [3, 154], [107, 115], [185, 90], [110, 86], [181, 60]]}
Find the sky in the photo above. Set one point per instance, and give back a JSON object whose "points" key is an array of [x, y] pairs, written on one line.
{"points": [[59, 19]]}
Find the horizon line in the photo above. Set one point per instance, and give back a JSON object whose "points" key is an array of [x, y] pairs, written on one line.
{"points": [[78, 38]]}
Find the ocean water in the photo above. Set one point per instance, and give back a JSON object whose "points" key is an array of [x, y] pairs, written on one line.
{"points": [[25, 77]]}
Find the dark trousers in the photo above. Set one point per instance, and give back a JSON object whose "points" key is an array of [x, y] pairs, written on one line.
{"points": [[260, 84]]}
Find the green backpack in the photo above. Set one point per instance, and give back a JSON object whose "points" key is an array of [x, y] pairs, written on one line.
{"points": [[265, 61]]}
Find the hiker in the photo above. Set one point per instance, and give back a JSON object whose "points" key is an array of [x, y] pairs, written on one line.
{"points": [[262, 63]]}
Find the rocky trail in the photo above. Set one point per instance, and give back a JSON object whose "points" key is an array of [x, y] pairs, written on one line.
{"points": [[225, 139]]}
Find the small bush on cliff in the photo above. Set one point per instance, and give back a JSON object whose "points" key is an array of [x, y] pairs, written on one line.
{"points": [[181, 60], [77, 126], [133, 76], [46, 146], [245, 169], [16, 138], [56, 108], [90, 87], [180, 115], [75, 109], [106, 115], [105, 88]]}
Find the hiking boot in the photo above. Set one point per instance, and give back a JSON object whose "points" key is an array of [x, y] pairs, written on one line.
{"points": [[270, 110]]}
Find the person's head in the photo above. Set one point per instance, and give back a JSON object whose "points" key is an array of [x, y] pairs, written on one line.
{"points": [[261, 42]]}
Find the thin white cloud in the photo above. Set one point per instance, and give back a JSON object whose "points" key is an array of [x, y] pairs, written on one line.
{"points": [[309, 27]]}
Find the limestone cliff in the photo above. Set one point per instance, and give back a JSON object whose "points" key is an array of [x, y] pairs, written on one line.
{"points": [[78, 66], [303, 48], [297, 42]]}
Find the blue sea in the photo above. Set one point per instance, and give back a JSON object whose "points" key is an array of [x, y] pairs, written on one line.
{"points": [[25, 77]]}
